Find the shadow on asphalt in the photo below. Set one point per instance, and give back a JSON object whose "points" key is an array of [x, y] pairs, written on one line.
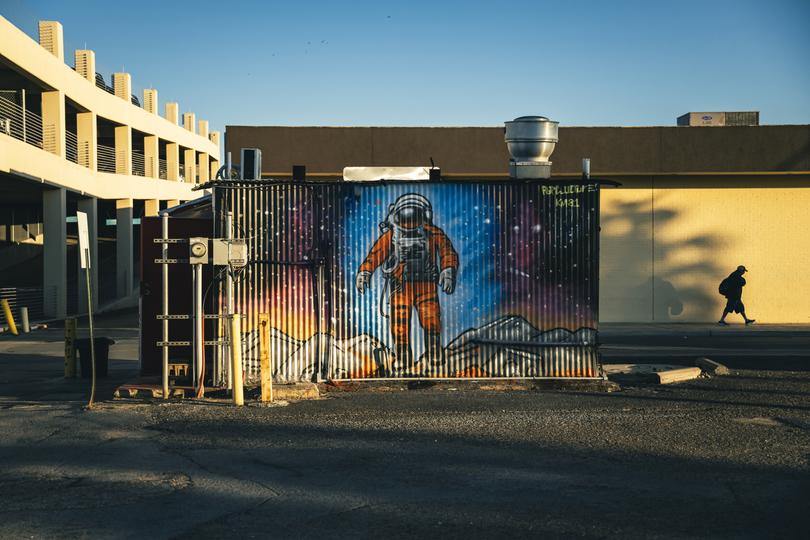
{"points": [[288, 473]]}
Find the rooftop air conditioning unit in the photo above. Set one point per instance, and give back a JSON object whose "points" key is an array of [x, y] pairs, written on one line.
{"points": [[740, 118]]}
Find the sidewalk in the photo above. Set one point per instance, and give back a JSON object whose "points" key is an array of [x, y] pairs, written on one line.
{"points": [[621, 330]]}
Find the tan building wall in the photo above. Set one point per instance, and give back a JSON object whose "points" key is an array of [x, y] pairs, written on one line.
{"points": [[668, 242]]}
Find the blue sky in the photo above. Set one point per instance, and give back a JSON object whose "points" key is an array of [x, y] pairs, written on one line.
{"points": [[448, 63]]}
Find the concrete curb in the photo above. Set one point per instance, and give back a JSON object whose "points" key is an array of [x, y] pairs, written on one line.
{"points": [[678, 375], [651, 373], [482, 385], [712, 367]]}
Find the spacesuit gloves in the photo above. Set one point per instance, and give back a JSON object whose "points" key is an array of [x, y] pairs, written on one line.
{"points": [[363, 281], [447, 280]]}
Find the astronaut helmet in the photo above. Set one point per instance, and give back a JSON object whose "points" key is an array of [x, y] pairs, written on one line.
{"points": [[410, 211]]}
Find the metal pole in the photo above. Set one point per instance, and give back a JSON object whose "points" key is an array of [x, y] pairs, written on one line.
{"points": [[25, 137], [92, 333], [236, 358], [26, 326], [229, 277], [12, 326], [199, 338], [165, 289], [70, 348], [586, 168]]}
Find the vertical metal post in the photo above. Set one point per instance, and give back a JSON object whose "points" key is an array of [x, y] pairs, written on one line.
{"points": [[26, 325], [25, 136], [12, 326], [586, 168], [229, 276], [92, 333], [198, 345], [318, 300], [165, 289], [236, 358], [70, 348]]}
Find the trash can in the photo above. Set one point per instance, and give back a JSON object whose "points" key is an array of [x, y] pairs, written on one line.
{"points": [[102, 349]]}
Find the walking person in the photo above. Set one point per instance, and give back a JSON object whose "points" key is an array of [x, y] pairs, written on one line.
{"points": [[731, 288]]}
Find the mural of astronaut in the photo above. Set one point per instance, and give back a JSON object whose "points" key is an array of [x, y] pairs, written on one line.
{"points": [[416, 258]]}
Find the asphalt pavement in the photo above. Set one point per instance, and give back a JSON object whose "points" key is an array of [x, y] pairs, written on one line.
{"points": [[722, 457]]}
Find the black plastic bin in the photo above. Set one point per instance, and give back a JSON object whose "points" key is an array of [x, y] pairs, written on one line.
{"points": [[102, 346]]}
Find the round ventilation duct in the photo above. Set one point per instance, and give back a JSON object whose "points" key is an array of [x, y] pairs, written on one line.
{"points": [[530, 140]]}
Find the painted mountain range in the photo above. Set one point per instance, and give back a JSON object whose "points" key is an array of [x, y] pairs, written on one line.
{"points": [[509, 346]]}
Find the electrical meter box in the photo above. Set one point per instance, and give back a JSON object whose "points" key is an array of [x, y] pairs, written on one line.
{"points": [[198, 250], [229, 252]]}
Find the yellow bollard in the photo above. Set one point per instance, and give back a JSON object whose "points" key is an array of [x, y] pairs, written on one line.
{"points": [[9, 317], [70, 348], [236, 360], [264, 357]]}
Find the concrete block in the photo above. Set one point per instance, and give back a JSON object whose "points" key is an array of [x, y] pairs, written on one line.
{"points": [[710, 366], [297, 391], [678, 375]]}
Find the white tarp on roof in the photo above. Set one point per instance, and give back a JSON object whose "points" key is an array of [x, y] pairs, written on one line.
{"points": [[359, 174]]}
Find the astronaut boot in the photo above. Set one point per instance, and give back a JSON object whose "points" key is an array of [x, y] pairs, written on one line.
{"points": [[433, 357], [404, 360]]}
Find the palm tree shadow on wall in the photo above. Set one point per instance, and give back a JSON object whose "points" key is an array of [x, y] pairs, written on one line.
{"points": [[636, 288]]}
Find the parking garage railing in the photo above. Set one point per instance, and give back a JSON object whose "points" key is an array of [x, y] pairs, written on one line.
{"points": [[19, 123], [163, 169], [71, 147], [106, 158], [138, 164]]}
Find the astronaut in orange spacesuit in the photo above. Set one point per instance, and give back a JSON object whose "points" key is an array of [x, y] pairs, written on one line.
{"points": [[415, 258]]}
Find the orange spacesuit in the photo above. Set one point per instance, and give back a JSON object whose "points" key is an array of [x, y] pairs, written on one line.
{"points": [[415, 256]]}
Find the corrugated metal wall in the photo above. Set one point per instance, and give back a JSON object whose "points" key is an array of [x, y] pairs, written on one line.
{"points": [[523, 301]]}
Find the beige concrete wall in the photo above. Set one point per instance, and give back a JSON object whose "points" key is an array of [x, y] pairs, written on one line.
{"points": [[626, 252], [668, 242]]}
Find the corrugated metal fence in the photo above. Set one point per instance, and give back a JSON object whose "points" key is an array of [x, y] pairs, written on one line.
{"points": [[418, 279]]}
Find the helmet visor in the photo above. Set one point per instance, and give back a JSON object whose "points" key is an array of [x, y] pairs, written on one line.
{"points": [[410, 216]]}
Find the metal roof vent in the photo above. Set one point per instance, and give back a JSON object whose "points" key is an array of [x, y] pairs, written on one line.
{"points": [[530, 140]]}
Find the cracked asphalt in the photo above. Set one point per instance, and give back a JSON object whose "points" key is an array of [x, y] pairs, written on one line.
{"points": [[724, 457]]}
